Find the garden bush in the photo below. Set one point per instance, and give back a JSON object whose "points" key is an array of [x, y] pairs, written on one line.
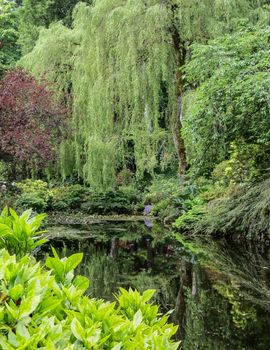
{"points": [[20, 234], [38, 195], [46, 308], [171, 200], [118, 202], [68, 197], [243, 212], [34, 194]]}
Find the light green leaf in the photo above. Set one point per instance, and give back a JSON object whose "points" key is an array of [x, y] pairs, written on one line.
{"points": [[16, 292], [73, 261], [81, 282], [137, 320], [77, 330]]}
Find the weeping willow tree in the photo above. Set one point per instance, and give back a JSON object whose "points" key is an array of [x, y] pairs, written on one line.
{"points": [[126, 78], [128, 83], [120, 80]]}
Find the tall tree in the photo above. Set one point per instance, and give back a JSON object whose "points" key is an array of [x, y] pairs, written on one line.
{"points": [[231, 103], [41, 13], [9, 50]]}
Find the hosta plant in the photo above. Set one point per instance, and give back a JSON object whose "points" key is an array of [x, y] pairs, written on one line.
{"points": [[47, 309]]}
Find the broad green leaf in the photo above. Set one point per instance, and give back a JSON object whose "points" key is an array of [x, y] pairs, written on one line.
{"points": [[148, 294], [26, 215], [73, 261], [22, 331], [81, 282], [56, 265], [28, 305], [16, 292], [4, 229], [12, 339], [77, 330]]}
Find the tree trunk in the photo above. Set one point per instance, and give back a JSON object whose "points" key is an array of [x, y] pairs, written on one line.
{"points": [[177, 116]]}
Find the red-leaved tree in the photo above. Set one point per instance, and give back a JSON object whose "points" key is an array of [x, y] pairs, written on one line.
{"points": [[30, 120]]}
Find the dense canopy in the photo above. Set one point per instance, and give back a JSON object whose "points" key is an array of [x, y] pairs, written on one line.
{"points": [[126, 81]]}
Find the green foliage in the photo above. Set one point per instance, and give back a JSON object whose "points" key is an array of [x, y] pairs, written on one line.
{"points": [[34, 194], [117, 202], [38, 195], [246, 163], [171, 200], [231, 104], [244, 212], [3, 171], [19, 234], [31, 200], [161, 188], [125, 101], [38, 187], [122, 107], [48, 310], [41, 196], [241, 313], [83, 198], [68, 197], [36, 14], [189, 218], [9, 50], [57, 61]]}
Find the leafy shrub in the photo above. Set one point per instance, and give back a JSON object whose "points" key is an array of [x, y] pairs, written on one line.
{"points": [[161, 188], [218, 116], [244, 212], [110, 203], [68, 197], [38, 187], [189, 218], [171, 200], [41, 309], [124, 177], [19, 234], [242, 166], [31, 200], [38, 195], [34, 194]]}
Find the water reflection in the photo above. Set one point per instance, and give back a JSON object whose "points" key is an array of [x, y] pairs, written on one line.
{"points": [[227, 299], [220, 293]]}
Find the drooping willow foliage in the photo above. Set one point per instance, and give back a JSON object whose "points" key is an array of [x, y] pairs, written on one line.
{"points": [[121, 63], [53, 56], [122, 107]]}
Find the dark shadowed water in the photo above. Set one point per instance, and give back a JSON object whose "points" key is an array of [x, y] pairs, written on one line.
{"points": [[220, 293]]}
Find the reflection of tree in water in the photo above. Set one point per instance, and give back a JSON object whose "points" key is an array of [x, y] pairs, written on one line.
{"points": [[227, 298], [124, 255], [220, 293]]}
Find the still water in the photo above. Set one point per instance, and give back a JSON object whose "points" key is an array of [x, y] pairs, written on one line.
{"points": [[219, 293]]}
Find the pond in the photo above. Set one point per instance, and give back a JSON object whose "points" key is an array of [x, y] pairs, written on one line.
{"points": [[219, 292]]}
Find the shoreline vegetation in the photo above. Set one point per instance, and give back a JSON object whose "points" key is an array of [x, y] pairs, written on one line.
{"points": [[206, 209]]}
